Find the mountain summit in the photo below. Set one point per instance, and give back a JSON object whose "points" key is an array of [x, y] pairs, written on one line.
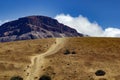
{"points": [[34, 27]]}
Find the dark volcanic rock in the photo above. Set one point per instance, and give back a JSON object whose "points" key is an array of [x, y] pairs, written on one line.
{"points": [[34, 27], [100, 73]]}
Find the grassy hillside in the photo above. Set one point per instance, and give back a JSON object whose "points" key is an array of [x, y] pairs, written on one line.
{"points": [[61, 59]]}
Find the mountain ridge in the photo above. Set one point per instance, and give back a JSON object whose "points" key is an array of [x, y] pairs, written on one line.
{"points": [[35, 27]]}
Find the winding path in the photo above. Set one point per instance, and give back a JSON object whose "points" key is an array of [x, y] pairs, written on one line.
{"points": [[38, 60]]}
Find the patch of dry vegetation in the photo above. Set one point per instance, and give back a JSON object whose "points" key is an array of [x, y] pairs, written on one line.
{"points": [[85, 56]]}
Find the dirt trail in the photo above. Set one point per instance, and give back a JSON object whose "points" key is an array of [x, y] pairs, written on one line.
{"points": [[38, 60]]}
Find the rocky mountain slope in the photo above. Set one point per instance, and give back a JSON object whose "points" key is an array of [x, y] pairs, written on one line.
{"points": [[34, 27]]}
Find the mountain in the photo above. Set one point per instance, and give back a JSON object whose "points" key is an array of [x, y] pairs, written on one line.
{"points": [[34, 27]]}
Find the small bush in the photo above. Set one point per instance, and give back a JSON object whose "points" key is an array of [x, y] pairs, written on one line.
{"points": [[45, 77], [67, 52], [73, 52], [100, 73], [16, 78]]}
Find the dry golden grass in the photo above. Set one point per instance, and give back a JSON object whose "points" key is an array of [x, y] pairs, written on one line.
{"points": [[92, 54]]}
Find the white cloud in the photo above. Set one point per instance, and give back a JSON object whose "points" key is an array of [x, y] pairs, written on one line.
{"points": [[111, 32], [83, 25], [2, 22]]}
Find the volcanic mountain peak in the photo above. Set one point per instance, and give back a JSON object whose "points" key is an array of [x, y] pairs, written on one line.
{"points": [[34, 27], [40, 19]]}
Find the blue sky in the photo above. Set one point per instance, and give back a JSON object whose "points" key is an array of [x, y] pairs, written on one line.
{"points": [[104, 12]]}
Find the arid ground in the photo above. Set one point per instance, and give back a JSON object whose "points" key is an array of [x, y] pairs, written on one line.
{"points": [[61, 59]]}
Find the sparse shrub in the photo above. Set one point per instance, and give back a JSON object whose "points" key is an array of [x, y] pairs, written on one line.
{"points": [[16, 78], [68, 64], [67, 52], [53, 73], [73, 52], [35, 77], [45, 77], [100, 73]]}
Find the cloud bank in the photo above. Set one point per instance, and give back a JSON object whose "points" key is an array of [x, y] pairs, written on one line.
{"points": [[83, 25]]}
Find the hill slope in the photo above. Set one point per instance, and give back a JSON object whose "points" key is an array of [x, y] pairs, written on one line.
{"points": [[34, 27], [61, 59]]}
